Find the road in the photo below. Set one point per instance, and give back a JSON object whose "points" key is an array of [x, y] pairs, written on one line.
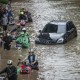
{"points": [[56, 62]]}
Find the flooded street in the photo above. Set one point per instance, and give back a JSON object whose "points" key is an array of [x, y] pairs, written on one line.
{"points": [[56, 62]]}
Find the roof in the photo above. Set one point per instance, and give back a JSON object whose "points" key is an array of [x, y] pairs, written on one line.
{"points": [[58, 22]]}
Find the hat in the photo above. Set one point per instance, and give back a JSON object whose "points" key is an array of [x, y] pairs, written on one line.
{"points": [[23, 28], [31, 50], [9, 62], [21, 12]]}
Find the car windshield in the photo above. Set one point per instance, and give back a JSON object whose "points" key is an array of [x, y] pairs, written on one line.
{"points": [[54, 28]]}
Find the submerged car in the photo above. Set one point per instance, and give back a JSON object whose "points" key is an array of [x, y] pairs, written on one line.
{"points": [[57, 32]]}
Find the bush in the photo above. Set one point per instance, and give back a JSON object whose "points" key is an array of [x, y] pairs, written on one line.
{"points": [[4, 1]]}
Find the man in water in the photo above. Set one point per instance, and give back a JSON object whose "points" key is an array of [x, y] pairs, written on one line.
{"points": [[32, 58], [10, 70]]}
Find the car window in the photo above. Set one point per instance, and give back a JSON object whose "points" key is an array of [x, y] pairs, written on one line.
{"points": [[54, 28], [70, 25], [61, 29], [50, 28], [69, 28]]}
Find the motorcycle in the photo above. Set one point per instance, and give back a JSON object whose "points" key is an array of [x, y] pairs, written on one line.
{"points": [[3, 77]]}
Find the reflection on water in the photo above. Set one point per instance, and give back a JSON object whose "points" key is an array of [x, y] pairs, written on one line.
{"points": [[56, 62]]}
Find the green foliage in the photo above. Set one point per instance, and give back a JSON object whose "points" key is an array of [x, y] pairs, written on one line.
{"points": [[4, 1]]}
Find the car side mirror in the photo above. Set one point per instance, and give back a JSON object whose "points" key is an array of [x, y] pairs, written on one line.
{"points": [[40, 31]]}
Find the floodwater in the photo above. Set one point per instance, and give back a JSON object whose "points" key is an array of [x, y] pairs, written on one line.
{"points": [[56, 62]]}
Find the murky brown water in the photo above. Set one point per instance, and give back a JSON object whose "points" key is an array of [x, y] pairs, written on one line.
{"points": [[56, 62]]}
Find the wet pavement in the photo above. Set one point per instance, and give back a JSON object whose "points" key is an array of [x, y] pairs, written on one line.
{"points": [[56, 62]]}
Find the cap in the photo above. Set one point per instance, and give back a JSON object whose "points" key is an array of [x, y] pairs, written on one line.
{"points": [[21, 12], [9, 62], [31, 51], [23, 28]]}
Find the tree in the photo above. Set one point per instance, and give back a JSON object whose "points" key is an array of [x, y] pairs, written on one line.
{"points": [[4, 1]]}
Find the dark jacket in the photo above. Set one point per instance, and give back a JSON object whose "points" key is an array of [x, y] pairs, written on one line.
{"points": [[7, 39], [22, 17], [35, 65], [11, 72]]}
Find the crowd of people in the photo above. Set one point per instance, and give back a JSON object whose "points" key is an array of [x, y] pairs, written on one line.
{"points": [[6, 16], [7, 37], [24, 67]]}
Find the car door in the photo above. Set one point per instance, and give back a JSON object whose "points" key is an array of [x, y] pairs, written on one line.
{"points": [[70, 31]]}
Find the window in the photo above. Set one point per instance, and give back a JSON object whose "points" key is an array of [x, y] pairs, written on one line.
{"points": [[50, 28], [61, 29], [70, 25]]}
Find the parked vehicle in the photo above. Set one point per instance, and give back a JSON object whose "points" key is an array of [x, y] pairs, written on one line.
{"points": [[57, 32]]}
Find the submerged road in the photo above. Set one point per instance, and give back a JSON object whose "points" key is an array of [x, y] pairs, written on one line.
{"points": [[56, 62]]}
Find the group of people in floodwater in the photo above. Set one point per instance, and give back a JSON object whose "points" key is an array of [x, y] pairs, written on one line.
{"points": [[12, 71], [6, 16], [6, 38]]}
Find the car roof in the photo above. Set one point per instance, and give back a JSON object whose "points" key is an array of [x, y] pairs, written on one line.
{"points": [[58, 22]]}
